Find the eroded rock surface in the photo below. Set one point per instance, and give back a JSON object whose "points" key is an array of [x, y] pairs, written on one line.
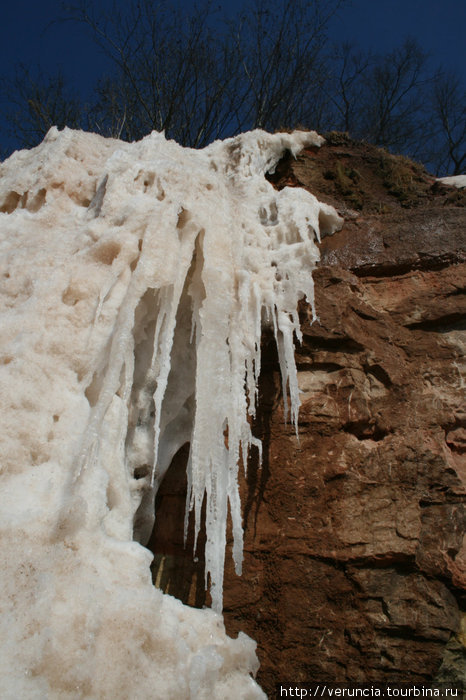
{"points": [[355, 557]]}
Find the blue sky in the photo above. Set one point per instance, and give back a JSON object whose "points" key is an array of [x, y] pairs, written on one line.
{"points": [[29, 34], [438, 25]]}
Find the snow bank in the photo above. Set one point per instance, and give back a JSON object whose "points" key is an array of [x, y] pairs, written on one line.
{"points": [[134, 283], [458, 181]]}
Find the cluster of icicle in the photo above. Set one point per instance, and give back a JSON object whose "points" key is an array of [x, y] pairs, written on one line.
{"points": [[192, 253], [221, 254]]}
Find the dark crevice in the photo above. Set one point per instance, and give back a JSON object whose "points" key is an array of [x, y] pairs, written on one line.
{"points": [[258, 473], [364, 315], [176, 568], [346, 345], [395, 270], [441, 496], [457, 422], [318, 367], [365, 431], [408, 633], [379, 373], [444, 324]]}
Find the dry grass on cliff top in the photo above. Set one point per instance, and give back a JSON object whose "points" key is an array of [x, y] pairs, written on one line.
{"points": [[367, 178]]}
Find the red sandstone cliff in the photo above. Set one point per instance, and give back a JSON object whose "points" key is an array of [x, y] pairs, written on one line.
{"points": [[355, 556]]}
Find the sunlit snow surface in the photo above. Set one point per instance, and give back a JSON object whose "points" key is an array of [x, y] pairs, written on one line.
{"points": [[458, 181], [135, 280]]}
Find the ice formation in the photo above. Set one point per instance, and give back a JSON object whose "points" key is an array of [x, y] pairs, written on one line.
{"points": [[135, 281], [458, 181]]}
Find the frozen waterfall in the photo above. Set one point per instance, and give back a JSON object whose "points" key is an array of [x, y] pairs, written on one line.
{"points": [[137, 279]]}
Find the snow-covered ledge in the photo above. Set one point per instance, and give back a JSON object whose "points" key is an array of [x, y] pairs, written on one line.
{"points": [[458, 181], [134, 283]]}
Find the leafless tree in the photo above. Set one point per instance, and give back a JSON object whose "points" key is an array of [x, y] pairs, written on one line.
{"points": [[199, 77], [395, 85], [281, 47], [171, 73], [37, 102], [448, 148], [346, 86]]}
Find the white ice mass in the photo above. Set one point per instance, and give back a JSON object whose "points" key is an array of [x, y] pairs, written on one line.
{"points": [[135, 281], [458, 181]]}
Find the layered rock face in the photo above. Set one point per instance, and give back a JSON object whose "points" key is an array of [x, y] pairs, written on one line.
{"points": [[355, 557]]}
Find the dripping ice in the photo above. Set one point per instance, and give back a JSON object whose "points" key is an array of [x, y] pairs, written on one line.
{"points": [[221, 254], [175, 259]]}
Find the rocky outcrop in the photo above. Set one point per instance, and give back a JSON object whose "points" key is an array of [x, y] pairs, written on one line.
{"points": [[355, 556]]}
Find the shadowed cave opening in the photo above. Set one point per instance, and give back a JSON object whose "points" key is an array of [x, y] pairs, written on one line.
{"points": [[178, 569], [160, 516]]}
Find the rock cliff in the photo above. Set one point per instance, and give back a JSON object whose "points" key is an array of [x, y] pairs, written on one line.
{"points": [[355, 556]]}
